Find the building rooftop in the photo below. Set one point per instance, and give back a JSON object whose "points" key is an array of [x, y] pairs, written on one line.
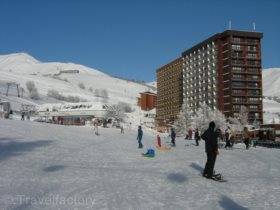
{"points": [[148, 93], [251, 34]]}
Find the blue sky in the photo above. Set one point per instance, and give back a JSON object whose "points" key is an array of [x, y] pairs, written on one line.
{"points": [[126, 38]]}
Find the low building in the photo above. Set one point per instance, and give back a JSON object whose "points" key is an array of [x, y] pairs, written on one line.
{"points": [[147, 100], [73, 114]]}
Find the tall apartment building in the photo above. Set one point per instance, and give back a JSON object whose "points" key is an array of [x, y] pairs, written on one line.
{"points": [[169, 91], [225, 72]]}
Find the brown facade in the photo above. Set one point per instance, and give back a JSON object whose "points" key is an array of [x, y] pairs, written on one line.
{"points": [[147, 101], [169, 92], [242, 74]]}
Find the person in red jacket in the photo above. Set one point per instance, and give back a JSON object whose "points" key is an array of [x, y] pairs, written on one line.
{"points": [[158, 141]]}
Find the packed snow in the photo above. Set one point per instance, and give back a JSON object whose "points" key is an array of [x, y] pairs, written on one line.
{"points": [[46, 166]]}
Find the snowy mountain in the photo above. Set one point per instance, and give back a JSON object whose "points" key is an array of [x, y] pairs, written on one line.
{"points": [[153, 84], [67, 79], [271, 82], [271, 87]]}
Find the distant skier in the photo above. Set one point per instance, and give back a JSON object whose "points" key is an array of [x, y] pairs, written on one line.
{"points": [[173, 137], [28, 116], [139, 136], [196, 137], [95, 129], [210, 136], [158, 141], [190, 133], [122, 129], [246, 136], [227, 137], [22, 116]]}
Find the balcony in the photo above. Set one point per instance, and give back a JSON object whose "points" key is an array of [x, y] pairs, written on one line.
{"points": [[239, 94], [239, 78], [254, 102]]}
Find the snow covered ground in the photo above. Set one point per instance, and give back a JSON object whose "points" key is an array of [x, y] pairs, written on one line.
{"points": [[46, 166]]}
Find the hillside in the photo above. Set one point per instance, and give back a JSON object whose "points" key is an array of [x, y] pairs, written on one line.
{"points": [[66, 79]]}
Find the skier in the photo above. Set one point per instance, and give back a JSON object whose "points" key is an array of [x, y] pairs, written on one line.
{"points": [[210, 136], [173, 136], [96, 129], [139, 137], [158, 141], [122, 129], [190, 133], [28, 116], [22, 116], [196, 137], [246, 136], [227, 137]]}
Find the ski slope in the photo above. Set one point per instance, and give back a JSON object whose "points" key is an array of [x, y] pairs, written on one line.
{"points": [[65, 78], [71, 168]]}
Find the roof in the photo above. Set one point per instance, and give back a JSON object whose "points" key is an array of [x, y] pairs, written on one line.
{"points": [[176, 60], [148, 93], [251, 34]]}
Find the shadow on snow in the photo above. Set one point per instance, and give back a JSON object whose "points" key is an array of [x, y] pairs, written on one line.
{"points": [[177, 177], [197, 167], [228, 204], [14, 147], [54, 168]]}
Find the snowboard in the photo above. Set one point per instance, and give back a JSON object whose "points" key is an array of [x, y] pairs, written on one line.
{"points": [[147, 155], [218, 178]]}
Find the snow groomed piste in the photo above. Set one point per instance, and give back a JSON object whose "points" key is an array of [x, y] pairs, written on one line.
{"points": [[46, 166]]}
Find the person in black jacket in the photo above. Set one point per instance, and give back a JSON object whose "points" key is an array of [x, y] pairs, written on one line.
{"points": [[196, 137], [210, 136], [173, 136], [139, 137]]}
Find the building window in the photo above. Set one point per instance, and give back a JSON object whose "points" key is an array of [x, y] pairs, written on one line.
{"points": [[236, 47], [237, 69], [252, 48], [252, 55], [236, 39]]}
